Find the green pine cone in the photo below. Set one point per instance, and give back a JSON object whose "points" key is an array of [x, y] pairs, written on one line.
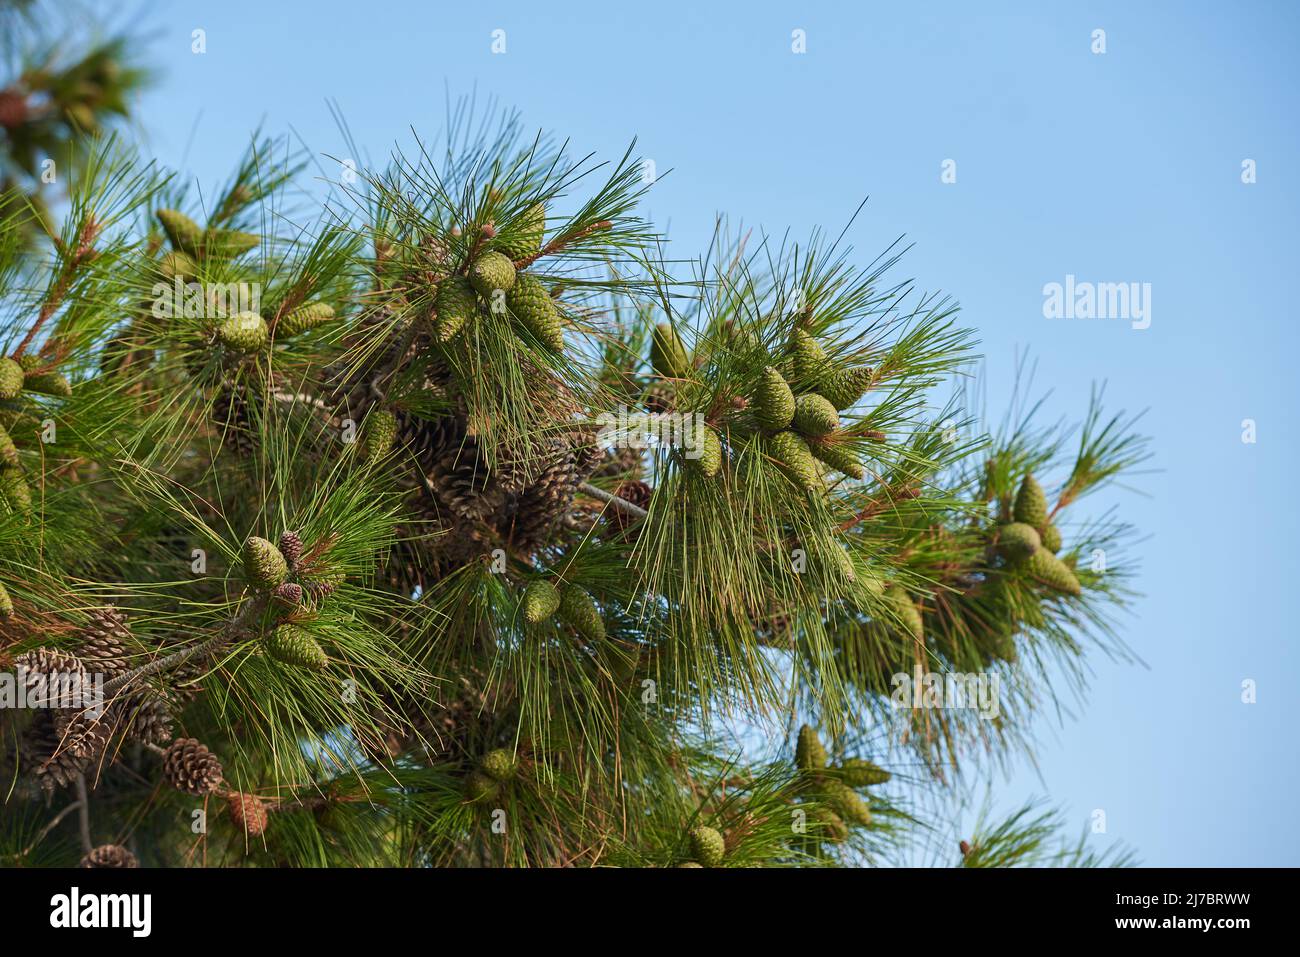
{"points": [[905, 611], [48, 383], [185, 234], [709, 461], [808, 360], [11, 379], [541, 601], [845, 802], [6, 603], [838, 457], [245, 332], [8, 451], [809, 753], [293, 646], [707, 845], [264, 565], [526, 236], [532, 305], [455, 305], [15, 491], [307, 316], [177, 265], [814, 415], [690, 864], [1017, 541], [499, 764], [381, 432], [1046, 568], [841, 564], [791, 452], [1052, 538], [228, 243], [1031, 504], [846, 386], [480, 788], [579, 610], [490, 272], [827, 825], [668, 355], [774, 401], [861, 773]]}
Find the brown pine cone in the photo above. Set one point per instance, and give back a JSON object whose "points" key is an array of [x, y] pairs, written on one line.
{"points": [[110, 855], [151, 718], [53, 679], [190, 767], [104, 642], [42, 754], [248, 813]]}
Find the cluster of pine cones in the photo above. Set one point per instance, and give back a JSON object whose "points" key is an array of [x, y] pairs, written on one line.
{"points": [[62, 742]]}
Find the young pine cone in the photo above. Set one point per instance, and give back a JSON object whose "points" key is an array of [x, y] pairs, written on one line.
{"points": [[191, 767], [291, 549]]}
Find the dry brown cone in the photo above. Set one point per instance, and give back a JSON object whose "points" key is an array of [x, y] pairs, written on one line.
{"points": [[247, 812], [109, 855], [52, 678], [83, 734], [190, 767], [42, 753], [104, 642], [150, 718]]}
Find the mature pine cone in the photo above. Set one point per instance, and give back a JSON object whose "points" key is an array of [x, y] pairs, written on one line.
{"points": [[190, 767], [150, 717], [42, 754], [83, 734], [104, 642], [110, 855], [52, 678], [248, 813]]}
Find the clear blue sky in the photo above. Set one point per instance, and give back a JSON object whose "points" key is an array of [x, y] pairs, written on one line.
{"points": [[1114, 168]]}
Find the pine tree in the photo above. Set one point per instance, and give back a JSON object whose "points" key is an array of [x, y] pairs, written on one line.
{"points": [[361, 558]]}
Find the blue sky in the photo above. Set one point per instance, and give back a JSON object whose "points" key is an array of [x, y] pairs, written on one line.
{"points": [[1117, 167]]}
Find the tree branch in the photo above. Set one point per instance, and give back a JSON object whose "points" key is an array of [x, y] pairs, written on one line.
{"points": [[622, 504]]}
